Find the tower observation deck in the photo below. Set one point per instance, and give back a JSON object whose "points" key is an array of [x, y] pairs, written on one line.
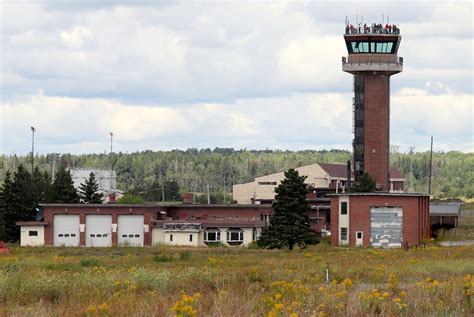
{"points": [[372, 59]]}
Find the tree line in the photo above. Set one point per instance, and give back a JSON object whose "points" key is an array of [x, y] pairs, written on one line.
{"points": [[142, 173], [22, 192]]}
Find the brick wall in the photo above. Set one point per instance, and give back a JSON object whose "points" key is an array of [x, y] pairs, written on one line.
{"points": [[377, 129], [415, 216], [148, 212]]}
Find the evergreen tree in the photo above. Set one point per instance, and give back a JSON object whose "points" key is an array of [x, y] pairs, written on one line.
{"points": [[365, 184], [89, 191], [20, 203], [5, 194], [42, 188], [289, 224], [63, 188]]}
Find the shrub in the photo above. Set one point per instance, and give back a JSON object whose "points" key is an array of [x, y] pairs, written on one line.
{"points": [[160, 258], [88, 262]]}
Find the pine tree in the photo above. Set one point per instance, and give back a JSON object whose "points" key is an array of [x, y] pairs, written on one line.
{"points": [[89, 191], [289, 224], [63, 188], [20, 203], [5, 194], [365, 184]]}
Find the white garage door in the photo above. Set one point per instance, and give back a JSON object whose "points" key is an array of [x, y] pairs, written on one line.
{"points": [[66, 230], [130, 230], [386, 227], [98, 231]]}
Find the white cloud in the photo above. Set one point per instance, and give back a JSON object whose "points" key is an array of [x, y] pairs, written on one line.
{"points": [[76, 37], [252, 75]]}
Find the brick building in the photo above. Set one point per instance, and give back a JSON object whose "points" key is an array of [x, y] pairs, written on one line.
{"points": [[379, 219], [105, 225]]}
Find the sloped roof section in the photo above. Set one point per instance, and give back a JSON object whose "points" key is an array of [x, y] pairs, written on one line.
{"points": [[335, 170], [395, 173]]}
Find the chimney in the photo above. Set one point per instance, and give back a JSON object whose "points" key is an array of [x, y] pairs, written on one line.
{"points": [[187, 198], [112, 198]]}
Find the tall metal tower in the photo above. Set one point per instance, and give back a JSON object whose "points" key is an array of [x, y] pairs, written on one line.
{"points": [[372, 59]]}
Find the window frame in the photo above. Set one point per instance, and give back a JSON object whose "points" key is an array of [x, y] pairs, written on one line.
{"points": [[344, 208], [215, 231], [344, 233]]}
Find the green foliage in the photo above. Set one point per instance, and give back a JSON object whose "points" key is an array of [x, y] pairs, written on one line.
{"points": [[89, 191], [90, 262], [289, 224], [365, 184], [192, 169], [184, 255], [19, 201], [130, 199], [160, 258], [63, 188]]}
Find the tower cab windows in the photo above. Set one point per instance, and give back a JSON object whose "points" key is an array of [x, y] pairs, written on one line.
{"points": [[366, 47]]}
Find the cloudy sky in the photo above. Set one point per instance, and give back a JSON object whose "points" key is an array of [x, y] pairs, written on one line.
{"points": [[170, 74]]}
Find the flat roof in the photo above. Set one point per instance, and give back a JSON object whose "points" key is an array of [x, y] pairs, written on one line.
{"points": [[179, 205], [445, 209], [31, 223], [382, 194]]}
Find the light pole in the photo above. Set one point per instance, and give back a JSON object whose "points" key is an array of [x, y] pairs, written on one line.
{"points": [[33, 130], [110, 159]]}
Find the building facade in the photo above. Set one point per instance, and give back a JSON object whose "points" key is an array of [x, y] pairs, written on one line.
{"points": [[318, 175], [379, 219], [106, 225]]}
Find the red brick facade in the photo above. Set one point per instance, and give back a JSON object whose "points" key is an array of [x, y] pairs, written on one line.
{"points": [[152, 212], [377, 128], [416, 225]]}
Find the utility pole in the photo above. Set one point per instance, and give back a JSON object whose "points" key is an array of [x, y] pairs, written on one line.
{"points": [[162, 189], [412, 177], [208, 195], [431, 164], [33, 130], [224, 190], [110, 158]]}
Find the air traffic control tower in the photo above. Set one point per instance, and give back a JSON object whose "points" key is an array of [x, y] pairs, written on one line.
{"points": [[372, 59]]}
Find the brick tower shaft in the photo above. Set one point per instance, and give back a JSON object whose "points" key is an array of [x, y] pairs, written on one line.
{"points": [[372, 59]]}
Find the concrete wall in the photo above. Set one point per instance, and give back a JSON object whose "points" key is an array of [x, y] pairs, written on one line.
{"points": [[243, 193], [27, 240]]}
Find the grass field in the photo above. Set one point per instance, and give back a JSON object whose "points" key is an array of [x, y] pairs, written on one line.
{"points": [[165, 281]]}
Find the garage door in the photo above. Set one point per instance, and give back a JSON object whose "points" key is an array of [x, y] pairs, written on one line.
{"points": [[386, 227], [130, 230], [98, 231], [66, 230]]}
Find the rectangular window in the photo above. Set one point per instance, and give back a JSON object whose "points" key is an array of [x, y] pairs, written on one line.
{"points": [[66, 235], [137, 236], [267, 183], [359, 234], [343, 234], [60, 235], [73, 234], [190, 238], [171, 238], [343, 208], [33, 233]]}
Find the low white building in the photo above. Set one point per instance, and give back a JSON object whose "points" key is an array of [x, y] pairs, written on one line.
{"points": [[208, 232], [31, 233]]}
